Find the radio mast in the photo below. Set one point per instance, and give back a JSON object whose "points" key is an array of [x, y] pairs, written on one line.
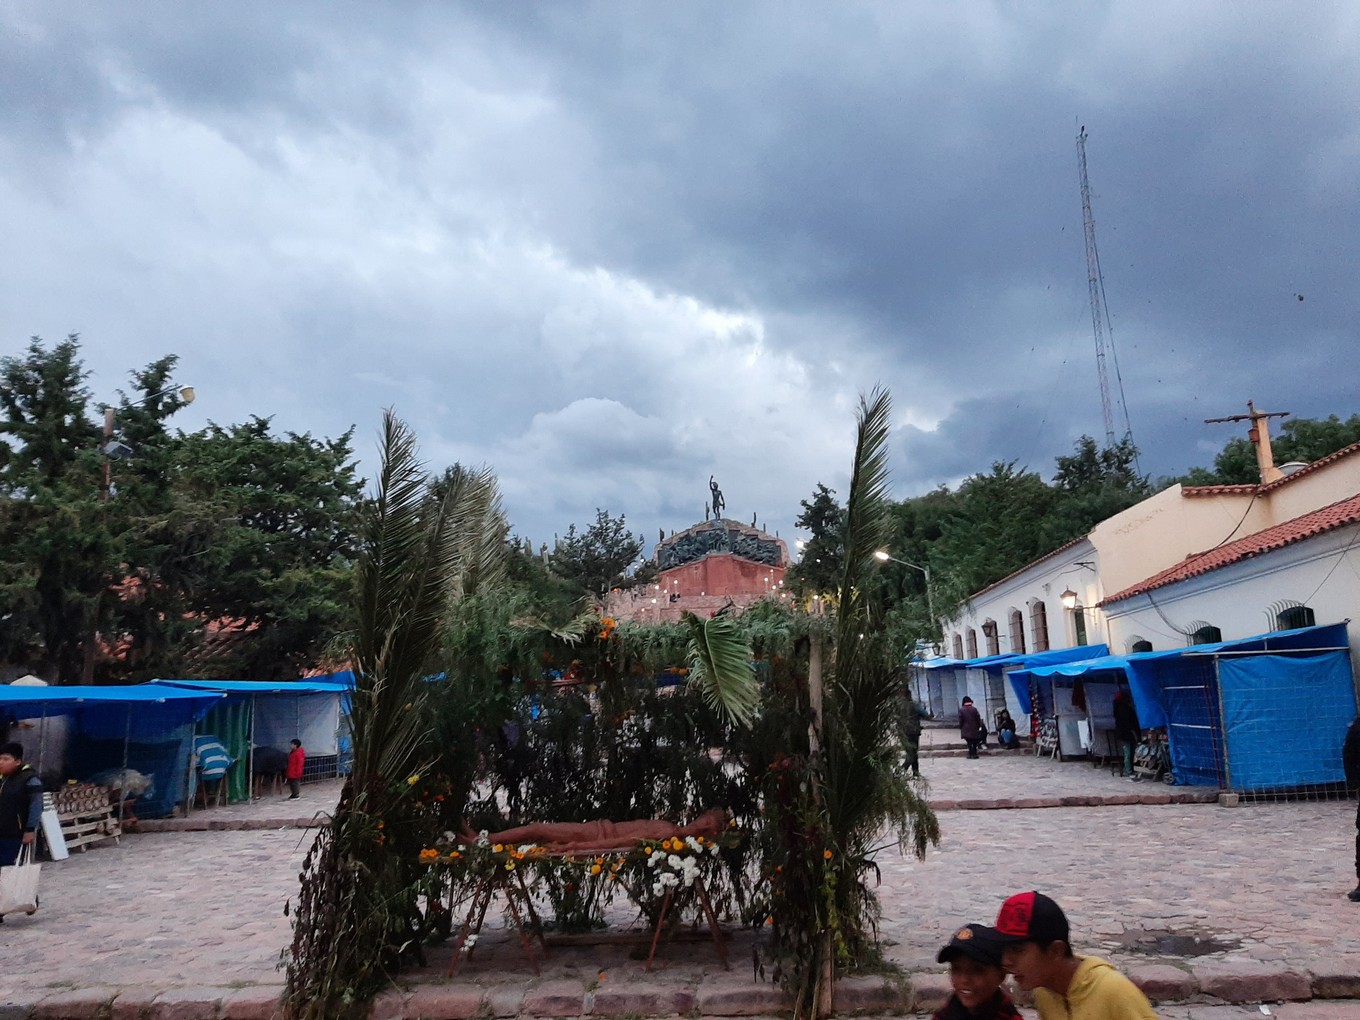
{"points": [[1100, 311]]}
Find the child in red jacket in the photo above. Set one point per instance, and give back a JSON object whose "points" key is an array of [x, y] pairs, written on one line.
{"points": [[297, 757]]}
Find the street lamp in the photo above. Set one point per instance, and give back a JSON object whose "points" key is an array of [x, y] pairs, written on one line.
{"points": [[1069, 599], [883, 557], [110, 450], [117, 451]]}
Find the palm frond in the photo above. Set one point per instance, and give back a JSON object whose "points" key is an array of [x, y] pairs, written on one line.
{"points": [[867, 521], [406, 576], [720, 665]]}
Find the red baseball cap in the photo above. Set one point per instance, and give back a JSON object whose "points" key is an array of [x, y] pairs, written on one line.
{"points": [[1032, 917]]}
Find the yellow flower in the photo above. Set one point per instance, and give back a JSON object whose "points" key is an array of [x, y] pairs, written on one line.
{"points": [[595, 869], [509, 865], [647, 850], [412, 780], [498, 848]]}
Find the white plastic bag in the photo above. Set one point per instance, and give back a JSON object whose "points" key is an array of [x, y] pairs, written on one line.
{"points": [[19, 884]]}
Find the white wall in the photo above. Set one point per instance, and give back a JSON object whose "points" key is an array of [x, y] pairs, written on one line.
{"points": [[1322, 573]]}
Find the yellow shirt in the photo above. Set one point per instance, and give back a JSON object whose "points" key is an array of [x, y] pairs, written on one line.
{"points": [[1097, 992]]}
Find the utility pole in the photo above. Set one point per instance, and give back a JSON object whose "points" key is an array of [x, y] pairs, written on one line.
{"points": [[1259, 434], [1100, 312]]}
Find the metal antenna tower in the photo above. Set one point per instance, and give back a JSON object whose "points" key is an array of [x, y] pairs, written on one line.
{"points": [[1100, 311]]}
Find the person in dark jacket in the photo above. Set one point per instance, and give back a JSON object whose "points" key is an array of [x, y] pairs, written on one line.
{"points": [[1350, 758], [909, 733], [21, 803], [1126, 728], [970, 727]]}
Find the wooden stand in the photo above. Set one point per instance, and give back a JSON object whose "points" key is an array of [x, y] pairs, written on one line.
{"points": [[700, 894], [86, 815], [511, 884]]}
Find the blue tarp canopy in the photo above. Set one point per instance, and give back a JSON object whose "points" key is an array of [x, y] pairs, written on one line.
{"points": [[1232, 709], [1026, 660], [942, 662], [243, 688], [1143, 670], [135, 712]]}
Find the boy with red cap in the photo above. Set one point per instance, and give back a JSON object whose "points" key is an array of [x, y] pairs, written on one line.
{"points": [[1036, 949], [974, 958]]}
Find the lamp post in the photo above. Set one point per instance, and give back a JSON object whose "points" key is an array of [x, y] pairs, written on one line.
{"points": [[108, 450], [883, 557]]}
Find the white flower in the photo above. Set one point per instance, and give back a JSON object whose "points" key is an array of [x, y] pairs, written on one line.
{"points": [[483, 838], [674, 860], [694, 844], [713, 849], [526, 848]]}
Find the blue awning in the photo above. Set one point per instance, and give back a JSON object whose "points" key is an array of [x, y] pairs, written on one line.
{"points": [[135, 711], [942, 662], [305, 686], [1027, 660]]}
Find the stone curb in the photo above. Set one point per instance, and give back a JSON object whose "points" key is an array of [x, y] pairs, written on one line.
{"points": [[1231, 980], [1169, 796]]}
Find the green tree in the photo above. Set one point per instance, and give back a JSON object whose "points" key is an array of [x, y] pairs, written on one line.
{"points": [[55, 549], [596, 558], [264, 542], [819, 568], [1300, 439], [1093, 485]]}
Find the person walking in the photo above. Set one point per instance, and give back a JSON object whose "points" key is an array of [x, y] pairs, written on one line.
{"points": [[909, 734], [1350, 759], [1126, 728], [297, 759], [21, 803], [971, 727]]}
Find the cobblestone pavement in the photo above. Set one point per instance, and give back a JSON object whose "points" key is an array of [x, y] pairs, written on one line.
{"points": [[1259, 886]]}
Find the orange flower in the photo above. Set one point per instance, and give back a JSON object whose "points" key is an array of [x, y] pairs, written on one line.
{"points": [[826, 855], [595, 869]]}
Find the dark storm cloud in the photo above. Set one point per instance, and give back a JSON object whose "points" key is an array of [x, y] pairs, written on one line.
{"points": [[610, 249]]}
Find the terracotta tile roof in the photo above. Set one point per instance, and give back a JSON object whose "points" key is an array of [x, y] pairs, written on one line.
{"points": [[1339, 514], [1331, 458], [1192, 491]]}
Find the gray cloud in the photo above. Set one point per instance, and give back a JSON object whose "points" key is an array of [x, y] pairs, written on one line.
{"points": [[612, 249]]}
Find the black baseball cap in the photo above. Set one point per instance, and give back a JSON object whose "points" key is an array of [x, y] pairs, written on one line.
{"points": [[1031, 917], [975, 941]]}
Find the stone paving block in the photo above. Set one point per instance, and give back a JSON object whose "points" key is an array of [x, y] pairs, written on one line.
{"points": [[1251, 981], [1336, 978], [930, 990], [77, 1004], [134, 1003], [555, 998], [944, 805], [389, 1004], [1317, 1010], [630, 998], [726, 996], [505, 1000], [1162, 982], [257, 1003], [1120, 799], [869, 993], [1154, 798], [445, 1002], [188, 1004]]}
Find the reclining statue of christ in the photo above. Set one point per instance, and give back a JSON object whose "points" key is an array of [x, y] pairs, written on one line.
{"points": [[603, 834]]}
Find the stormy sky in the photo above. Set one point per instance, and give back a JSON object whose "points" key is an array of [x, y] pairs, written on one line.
{"points": [[611, 249]]}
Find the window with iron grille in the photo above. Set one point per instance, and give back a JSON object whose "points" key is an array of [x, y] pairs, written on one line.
{"points": [[1038, 625]]}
